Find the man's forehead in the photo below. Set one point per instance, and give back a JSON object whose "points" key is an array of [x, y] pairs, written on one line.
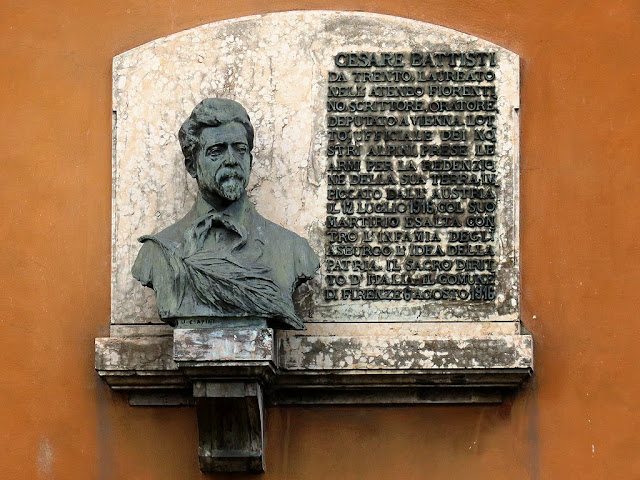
{"points": [[227, 132]]}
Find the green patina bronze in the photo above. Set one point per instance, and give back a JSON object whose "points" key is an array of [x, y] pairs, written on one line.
{"points": [[223, 259]]}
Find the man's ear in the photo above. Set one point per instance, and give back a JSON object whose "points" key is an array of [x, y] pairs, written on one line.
{"points": [[190, 165]]}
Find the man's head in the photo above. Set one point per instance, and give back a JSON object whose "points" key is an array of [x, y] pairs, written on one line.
{"points": [[216, 141]]}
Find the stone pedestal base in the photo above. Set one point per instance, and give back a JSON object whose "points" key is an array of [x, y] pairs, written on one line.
{"points": [[228, 364]]}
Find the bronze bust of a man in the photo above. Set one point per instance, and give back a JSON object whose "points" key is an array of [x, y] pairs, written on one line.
{"points": [[223, 259]]}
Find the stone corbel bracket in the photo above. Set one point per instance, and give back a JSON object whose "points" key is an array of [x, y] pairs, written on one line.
{"points": [[228, 368], [230, 374]]}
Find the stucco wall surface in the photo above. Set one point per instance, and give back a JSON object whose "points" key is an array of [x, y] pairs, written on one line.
{"points": [[578, 416]]}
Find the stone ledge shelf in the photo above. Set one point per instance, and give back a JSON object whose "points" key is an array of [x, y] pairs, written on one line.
{"points": [[324, 369]]}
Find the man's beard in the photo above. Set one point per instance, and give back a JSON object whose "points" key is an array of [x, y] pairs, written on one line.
{"points": [[230, 184]]}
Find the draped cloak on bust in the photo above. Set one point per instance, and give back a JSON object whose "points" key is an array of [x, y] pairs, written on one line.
{"points": [[229, 263]]}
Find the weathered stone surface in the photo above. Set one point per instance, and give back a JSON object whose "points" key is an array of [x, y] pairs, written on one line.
{"points": [[117, 330], [222, 344], [136, 353], [421, 329], [373, 353], [276, 65], [334, 370], [141, 364]]}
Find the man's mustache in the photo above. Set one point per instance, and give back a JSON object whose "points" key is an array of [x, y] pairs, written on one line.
{"points": [[230, 171]]}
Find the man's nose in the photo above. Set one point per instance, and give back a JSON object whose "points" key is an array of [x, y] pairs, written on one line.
{"points": [[230, 157]]}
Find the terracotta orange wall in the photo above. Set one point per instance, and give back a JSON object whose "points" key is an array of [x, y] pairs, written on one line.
{"points": [[577, 419]]}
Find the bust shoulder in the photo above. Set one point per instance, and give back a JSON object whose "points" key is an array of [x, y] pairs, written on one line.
{"points": [[291, 248]]}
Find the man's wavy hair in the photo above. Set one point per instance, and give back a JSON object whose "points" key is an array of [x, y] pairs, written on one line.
{"points": [[210, 112]]}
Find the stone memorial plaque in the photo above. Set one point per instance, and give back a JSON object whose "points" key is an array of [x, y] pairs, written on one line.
{"points": [[392, 146]]}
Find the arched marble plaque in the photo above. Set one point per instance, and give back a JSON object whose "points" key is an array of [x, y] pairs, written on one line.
{"points": [[278, 66]]}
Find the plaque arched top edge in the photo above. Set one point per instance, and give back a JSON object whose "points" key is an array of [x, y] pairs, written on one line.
{"points": [[314, 15]]}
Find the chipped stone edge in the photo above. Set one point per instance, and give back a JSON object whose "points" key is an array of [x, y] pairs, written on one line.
{"points": [[471, 372]]}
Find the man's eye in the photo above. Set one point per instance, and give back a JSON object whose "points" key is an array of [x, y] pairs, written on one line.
{"points": [[214, 151], [242, 148]]}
